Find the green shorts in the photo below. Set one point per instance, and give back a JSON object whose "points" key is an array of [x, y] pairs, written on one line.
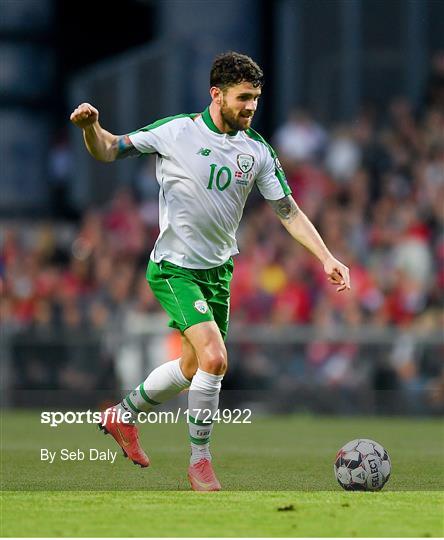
{"points": [[192, 296]]}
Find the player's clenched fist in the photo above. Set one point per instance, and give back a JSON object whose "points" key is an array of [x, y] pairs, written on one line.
{"points": [[84, 115]]}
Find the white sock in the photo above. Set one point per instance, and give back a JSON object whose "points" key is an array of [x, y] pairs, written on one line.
{"points": [[203, 401], [161, 385], [200, 451]]}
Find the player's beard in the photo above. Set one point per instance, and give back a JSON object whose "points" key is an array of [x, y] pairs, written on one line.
{"points": [[233, 121]]}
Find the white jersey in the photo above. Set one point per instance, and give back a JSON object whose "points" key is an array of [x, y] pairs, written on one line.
{"points": [[205, 177]]}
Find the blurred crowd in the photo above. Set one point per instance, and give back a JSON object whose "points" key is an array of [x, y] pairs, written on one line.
{"points": [[373, 186]]}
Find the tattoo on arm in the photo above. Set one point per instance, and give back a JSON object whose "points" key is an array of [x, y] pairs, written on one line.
{"points": [[125, 147], [286, 208]]}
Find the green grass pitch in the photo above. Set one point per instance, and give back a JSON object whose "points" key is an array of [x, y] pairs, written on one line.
{"points": [[276, 472]]}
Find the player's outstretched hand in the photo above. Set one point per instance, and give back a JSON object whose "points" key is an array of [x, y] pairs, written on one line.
{"points": [[84, 115], [338, 274]]}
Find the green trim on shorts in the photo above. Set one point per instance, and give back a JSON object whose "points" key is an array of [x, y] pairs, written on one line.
{"points": [[192, 296]]}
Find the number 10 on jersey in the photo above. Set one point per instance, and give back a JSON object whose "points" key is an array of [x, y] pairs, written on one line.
{"points": [[223, 177]]}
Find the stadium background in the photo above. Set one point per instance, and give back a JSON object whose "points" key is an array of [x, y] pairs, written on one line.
{"points": [[354, 105]]}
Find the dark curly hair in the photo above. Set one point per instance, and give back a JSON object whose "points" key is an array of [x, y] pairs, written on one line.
{"points": [[233, 68]]}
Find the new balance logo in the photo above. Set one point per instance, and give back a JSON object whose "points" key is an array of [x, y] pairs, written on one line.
{"points": [[204, 152]]}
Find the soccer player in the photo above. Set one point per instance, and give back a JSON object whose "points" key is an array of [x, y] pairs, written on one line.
{"points": [[206, 166]]}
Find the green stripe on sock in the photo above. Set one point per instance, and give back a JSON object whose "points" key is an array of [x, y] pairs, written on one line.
{"points": [[198, 422], [145, 396], [131, 404], [199, 441]]}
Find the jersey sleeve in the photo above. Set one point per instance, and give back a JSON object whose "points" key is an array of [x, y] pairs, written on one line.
{"points": [[147, 142], [159, 136], [271, 179]]}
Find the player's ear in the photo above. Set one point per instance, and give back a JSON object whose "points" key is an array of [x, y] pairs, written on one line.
{"points": [[216, 94]]}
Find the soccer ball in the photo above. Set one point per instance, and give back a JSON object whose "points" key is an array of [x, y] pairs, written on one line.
{"points": [[362, 465]]}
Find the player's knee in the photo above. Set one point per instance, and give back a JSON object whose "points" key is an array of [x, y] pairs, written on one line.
{"points": [[214, 361]]}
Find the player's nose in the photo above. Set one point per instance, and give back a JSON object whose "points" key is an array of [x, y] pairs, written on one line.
{"points": [[251, 107]]}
